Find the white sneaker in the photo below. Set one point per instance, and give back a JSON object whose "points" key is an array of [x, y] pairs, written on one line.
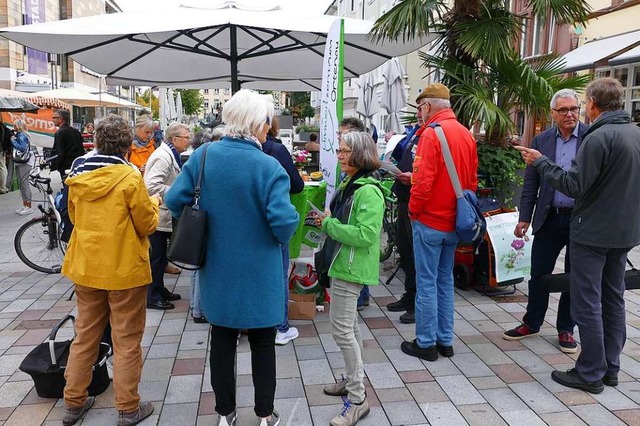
{"points": [[26, 211], [284, 338], [20, 210], [229, 420]]}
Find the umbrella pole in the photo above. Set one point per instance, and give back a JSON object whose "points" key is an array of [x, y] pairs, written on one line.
{"points": [[235, 84]]}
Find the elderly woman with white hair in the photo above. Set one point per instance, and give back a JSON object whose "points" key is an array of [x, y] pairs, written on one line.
{"points": [[246, 196], [162, 169]]}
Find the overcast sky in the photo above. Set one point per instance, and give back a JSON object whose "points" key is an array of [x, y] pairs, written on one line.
{"points": [[308, 6]]}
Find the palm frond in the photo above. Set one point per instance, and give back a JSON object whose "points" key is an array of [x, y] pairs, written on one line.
{"points": [[408, 20], [564, 11]]}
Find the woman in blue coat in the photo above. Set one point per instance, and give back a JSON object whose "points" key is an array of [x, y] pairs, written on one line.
{"points": [[246, 196]]}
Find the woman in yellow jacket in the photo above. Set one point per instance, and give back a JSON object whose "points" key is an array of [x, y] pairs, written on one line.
{"points": [[108, 260], [143, 143]]}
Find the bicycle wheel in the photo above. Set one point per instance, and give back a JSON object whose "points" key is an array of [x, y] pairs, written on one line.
{"points": [[387, 237], [37, 249]]}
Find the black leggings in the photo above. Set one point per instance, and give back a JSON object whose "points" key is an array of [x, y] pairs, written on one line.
{"points": [[263, 368]]}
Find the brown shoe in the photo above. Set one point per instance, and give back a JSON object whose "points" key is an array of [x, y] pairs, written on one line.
{"points": [[129, 419], [172, 270], [72, 415]]}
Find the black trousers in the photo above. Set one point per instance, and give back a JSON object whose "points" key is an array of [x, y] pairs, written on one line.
{"points": [[263, 368], [158, 257], [404, 242], [597, 305]]}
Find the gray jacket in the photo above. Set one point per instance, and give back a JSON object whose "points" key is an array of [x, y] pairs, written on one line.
{"points": [[160, 172], [604, 179]]}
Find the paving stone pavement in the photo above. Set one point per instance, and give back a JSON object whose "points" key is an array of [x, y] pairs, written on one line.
{"points": [[488, 382]]}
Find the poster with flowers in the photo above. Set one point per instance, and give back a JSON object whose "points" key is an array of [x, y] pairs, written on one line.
{"points": [[512, 254]]}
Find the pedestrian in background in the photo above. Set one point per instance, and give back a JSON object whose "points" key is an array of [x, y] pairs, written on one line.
{"points": [[404, 153], [246, 196], [108, 260], [273, 146], [143, 143], [353, 227], [603, 179], [551, 220], [163, 166], [67, 143], [22, 143]]}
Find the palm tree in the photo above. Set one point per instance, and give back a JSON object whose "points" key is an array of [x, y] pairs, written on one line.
{"points": [[478, 59]]}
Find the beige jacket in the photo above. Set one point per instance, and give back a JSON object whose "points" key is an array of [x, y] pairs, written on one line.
{"points": [[162, 169]]}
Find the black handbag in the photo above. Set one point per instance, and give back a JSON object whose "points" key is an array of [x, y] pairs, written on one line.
{"points": [[189, 238], [47, 362], [559, 283]]}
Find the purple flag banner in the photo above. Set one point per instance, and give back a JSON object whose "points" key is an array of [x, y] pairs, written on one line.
{"points": [[34, 14]]}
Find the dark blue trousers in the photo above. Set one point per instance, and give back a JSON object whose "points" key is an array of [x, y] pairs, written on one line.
{"points": [[549, 241], [597, 305], [158, 260]]}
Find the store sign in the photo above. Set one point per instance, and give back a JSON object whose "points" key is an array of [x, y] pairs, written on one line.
{"points": [[40, 126]]}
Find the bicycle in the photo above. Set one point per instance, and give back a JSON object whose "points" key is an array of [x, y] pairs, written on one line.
{"points": [[389, 224], [37, 242]]}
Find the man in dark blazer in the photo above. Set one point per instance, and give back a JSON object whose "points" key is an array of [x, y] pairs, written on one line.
{"points": [[550, 219], [67, 143]]}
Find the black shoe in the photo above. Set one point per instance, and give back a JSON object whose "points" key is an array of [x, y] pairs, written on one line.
{"points": [[571, 379], [161, 305], [446, 351], [167, 295], [404, 304], [200, 320], [412, 348], [610, 379], [408, 317]]}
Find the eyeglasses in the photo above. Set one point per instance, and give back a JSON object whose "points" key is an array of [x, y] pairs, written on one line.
{"points": [[422, 104], [55, 116], [565, 111], [183, 137], [342, 151]]}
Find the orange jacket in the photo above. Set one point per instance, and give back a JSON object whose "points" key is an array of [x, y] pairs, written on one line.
{"points": [[139, 156], [433, 201]]}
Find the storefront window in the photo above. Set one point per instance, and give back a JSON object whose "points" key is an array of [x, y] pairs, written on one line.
{"points": [[636, 76]]}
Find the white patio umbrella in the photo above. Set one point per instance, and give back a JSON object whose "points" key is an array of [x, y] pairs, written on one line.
{"points": [[394, 96], [368, 104], [77, 97], [179, 109], [171, 102], [122, 103], [216, 42]]}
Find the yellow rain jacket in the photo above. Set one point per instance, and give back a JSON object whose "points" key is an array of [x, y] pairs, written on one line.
{"points": [[112, 216]]}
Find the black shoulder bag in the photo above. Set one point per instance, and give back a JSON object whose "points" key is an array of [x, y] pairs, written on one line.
{"points": [[189, 238]]}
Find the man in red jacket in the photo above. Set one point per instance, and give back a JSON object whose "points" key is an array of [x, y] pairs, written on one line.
{"points": [[432, 209]]}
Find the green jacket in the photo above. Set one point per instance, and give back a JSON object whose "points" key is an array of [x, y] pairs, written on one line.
{"points": [[358, 255]]}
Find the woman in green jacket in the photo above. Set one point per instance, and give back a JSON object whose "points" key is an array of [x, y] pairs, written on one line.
{"points": [[353, 227]]}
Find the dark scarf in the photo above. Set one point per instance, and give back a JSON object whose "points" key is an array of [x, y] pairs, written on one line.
{"points": [[346, 189], [176, 154]]}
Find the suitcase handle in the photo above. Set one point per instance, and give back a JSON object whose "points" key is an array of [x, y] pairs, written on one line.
{"points": [[54, 332]]}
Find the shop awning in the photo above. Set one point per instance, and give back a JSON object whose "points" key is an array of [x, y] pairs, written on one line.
{"points": [[601, 52], [628, 57]]}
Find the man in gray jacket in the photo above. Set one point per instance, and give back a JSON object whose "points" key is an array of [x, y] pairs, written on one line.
{"points": [[603, 179]]}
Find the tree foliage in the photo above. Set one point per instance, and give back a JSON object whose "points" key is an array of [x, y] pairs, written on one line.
{"points": [[477, 57], [192, 101], [300, 106], [149, 100]]}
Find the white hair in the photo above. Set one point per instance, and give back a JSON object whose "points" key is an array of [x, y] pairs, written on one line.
{"points": [[174, 129], [438, 104], [144, 121], [564, 94], [246, 112]]}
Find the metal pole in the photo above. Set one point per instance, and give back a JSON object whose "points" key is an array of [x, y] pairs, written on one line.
{"points": [[235, 84]]}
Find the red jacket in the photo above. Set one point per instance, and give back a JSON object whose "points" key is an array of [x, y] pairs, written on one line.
{"points": [[433, 201]]}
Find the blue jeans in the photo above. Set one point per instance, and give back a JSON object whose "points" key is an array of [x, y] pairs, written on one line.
{"points": [[364, 294], [549, 241], [284, 325], [434, 252], [194, 295]]}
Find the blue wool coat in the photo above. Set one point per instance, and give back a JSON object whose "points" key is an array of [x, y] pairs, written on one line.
{"points": [[246, 196]]}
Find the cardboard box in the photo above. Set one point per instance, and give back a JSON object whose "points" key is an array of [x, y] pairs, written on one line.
{"points": [[302, 306]]}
